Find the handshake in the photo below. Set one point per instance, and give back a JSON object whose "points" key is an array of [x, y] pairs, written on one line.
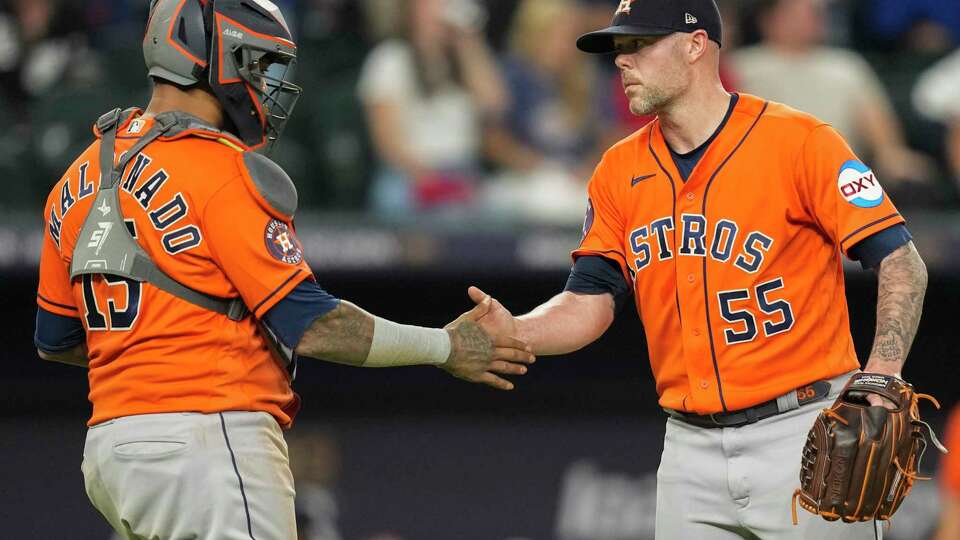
{"points": [[484, 345]]}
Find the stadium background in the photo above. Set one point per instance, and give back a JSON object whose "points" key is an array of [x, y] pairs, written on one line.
{"points": [[411, 453]]}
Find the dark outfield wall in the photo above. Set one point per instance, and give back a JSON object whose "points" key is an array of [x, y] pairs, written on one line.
{"points": [[571, 455]]}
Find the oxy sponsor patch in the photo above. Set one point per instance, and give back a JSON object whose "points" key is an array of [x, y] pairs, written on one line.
{"points": [[858, 185]]}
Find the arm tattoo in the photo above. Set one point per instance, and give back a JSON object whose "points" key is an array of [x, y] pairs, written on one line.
{"points": [[468, 339], [902, 284], [343, 335]]}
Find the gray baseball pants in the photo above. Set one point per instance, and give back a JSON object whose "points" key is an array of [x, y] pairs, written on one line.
{"points": [[179, 476], [737, 483]]}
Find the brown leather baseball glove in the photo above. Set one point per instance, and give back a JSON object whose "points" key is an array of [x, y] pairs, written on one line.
{"points": [[860, 462]]}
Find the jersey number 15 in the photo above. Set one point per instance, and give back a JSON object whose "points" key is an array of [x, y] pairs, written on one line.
{"points": [[119, 319]]}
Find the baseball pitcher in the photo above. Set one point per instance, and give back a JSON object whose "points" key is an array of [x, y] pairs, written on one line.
{"points": [[725, 219]]}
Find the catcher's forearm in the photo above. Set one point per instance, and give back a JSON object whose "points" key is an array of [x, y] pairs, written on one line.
{"points": [[566, 323], [350, 335], [344, 335], [902, 284]]}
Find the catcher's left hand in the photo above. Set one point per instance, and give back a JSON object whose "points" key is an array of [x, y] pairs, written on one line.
{"points": [[860, 461]]}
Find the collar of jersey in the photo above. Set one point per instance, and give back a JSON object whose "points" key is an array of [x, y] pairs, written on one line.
{"points": [[187, 126], [750, 106]]}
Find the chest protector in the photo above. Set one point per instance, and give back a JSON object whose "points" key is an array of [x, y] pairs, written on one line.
{"points": [[105, 245]]}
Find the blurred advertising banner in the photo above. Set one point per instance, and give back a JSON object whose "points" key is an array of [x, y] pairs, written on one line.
{"points": [[505, 477], [353, 242]]}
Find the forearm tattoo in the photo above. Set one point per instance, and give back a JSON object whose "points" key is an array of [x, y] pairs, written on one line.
{"points": [[902, 284], [343, 335]]}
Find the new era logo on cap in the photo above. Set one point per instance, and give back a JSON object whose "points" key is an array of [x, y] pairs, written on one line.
{"points": [[691, 19]]}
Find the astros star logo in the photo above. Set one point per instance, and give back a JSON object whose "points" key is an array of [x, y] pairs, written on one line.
{"points": [[624, 7]]}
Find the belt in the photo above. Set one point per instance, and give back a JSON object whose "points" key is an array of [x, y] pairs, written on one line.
{"points": [[787, 402]]}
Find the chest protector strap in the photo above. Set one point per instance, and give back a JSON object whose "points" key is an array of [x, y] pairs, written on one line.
{"points": [[106, 246]]}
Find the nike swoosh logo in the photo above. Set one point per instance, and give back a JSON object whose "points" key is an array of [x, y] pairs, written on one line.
{"points": [[639, 179]]}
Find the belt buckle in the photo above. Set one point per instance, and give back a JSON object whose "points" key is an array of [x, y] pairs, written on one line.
{"points": [[713, 418]]}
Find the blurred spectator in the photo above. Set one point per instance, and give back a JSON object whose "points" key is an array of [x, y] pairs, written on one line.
{"points": [[935, 97], [426, 94], [838, 86], [315, 462], [553, 114], [950, 482], [557, 124], [552, 135], [41, 48], [44, 58], [114, 24], [920, 25]]}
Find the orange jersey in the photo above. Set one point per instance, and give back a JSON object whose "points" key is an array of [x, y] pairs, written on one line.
{"points": [[736, 272], [950, 466], [186, 200]]}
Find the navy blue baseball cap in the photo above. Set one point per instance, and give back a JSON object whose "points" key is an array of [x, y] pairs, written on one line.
{"points": [[655, 18]]}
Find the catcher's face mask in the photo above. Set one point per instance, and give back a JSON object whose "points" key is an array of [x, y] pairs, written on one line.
{"points": [[252, 59], [267, 75]]}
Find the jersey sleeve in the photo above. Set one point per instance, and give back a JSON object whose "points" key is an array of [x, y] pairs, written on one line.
{"points": [[603, 226], [872, 250], [260, 254], [54, 292], [291, 316], [842, 194], [57, 333]]}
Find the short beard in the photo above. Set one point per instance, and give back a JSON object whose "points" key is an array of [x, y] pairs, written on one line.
{"points": [[648, 102]]}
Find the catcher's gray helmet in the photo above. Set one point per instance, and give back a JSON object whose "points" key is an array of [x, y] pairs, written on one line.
{"points": [[241, 50]]}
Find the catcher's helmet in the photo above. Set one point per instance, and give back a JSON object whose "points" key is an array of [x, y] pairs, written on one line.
{"points": [[241, 50]]}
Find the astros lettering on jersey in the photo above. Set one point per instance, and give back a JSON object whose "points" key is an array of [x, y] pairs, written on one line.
{"points": [[736, 272], [184, 212]]}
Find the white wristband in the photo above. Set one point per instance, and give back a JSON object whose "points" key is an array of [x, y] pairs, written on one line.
{"points": [[403, 345]]}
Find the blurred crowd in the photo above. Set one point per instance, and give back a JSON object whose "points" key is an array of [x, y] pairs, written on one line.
{"points": [[484, 110]]}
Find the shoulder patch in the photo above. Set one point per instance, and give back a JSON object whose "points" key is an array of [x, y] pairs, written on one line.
{"points": [[858, 185], [270, 185], [587, 221], [282, 243]]}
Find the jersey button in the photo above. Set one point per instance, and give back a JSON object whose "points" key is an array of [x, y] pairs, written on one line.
{"points": [[704, 384], [691, 196], [691, 278], [696, 331]]}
